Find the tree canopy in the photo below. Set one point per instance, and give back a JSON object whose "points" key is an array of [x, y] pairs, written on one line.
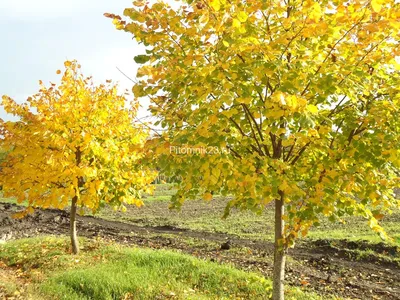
{"points": [[304, 94], [76, 139]]}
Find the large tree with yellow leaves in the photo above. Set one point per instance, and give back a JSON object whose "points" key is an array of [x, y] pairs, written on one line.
{"points": [[74, 144], [303, 94]]}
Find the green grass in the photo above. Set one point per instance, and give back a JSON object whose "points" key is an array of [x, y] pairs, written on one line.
{"points": [[371, 254], [157, 198], [9, 200], [109, 271], [356, 228], [162, 192], [148, 274]]}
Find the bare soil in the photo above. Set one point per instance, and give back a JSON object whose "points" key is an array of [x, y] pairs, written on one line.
{"points": [[327, 267]]}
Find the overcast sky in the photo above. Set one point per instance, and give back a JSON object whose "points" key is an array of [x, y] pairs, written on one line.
{"points": [[38, 36]]}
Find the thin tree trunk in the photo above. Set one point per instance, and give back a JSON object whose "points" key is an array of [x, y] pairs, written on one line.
{"points": [[72, 216], [279, 251], [72, 220]]}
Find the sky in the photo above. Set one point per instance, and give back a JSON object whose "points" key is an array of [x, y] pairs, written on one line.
{"points": [[38, 36]]}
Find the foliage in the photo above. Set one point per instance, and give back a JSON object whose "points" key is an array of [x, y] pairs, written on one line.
{"points": [[78, 140], [3, 155], [301, 97]]}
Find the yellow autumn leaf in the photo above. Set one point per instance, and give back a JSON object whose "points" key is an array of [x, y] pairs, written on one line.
{"points": [[316, 11], [286, 143], [236, 23], [284, 186], [377, 5], [188, 186], [396, 63], [291, 101], [204, 18], [304, 232], [281, 131], [242, 16], [213, 119], [207, 196], [327, 211], [244, 100], [312, 108], [215, 4]]}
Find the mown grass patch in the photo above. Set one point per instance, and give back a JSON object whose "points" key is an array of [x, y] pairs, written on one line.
{"points": [[111, 271]]}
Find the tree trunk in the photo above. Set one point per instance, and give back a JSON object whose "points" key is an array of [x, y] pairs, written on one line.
{"points": [[72, 216], [72, 220], [279, 251]]}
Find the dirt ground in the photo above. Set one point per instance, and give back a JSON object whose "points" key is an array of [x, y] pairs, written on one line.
{"points": [[323, 266]]}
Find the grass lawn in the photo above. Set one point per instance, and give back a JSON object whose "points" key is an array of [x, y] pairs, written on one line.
{"points": [[110, 271], [162, 192]]}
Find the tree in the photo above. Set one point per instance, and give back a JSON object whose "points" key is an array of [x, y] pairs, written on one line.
{"points": [[76, 143], [302, 95]]}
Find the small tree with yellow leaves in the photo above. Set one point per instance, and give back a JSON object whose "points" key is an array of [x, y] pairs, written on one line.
{"points": [[74, 144]]}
